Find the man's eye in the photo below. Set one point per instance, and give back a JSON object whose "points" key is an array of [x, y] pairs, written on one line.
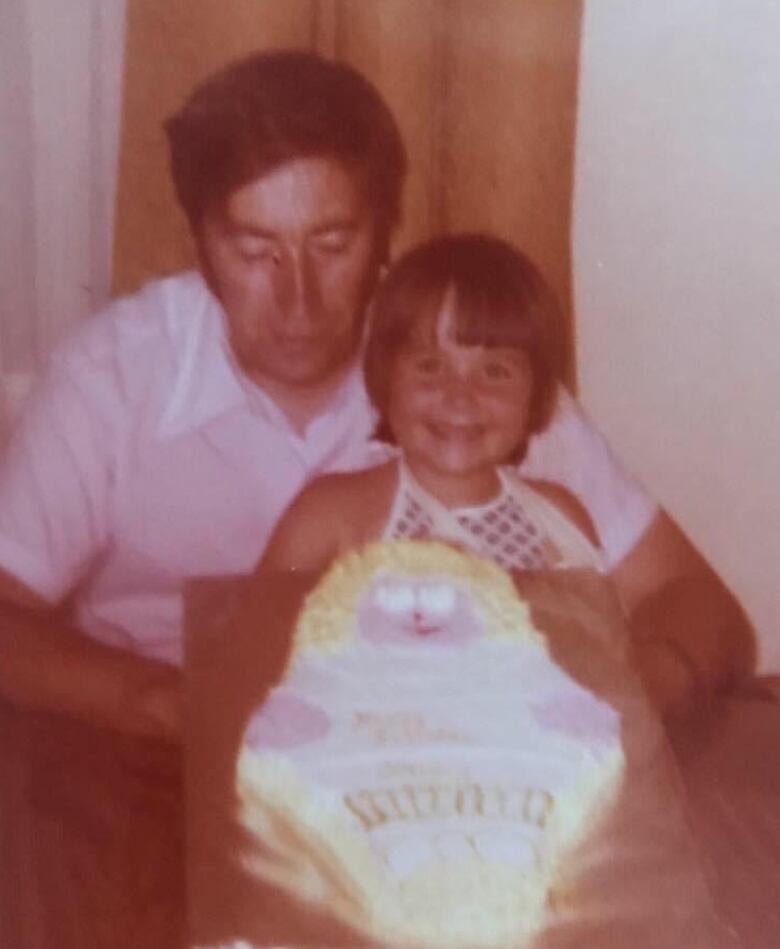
{"points": [[333, 242], [254, 250]]}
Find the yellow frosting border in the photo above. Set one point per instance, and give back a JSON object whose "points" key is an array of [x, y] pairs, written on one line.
{"points": [[328, 620]]}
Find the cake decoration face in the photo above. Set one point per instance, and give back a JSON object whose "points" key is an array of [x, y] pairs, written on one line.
{"points": [[457, 597], [401, 609]]}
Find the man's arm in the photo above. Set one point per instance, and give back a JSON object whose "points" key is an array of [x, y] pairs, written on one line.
{"points": [[47, 665], [692, 638], [55, 520]]}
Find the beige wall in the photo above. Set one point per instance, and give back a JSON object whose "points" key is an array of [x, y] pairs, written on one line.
{"points": [[676, 238], [485, 94]]}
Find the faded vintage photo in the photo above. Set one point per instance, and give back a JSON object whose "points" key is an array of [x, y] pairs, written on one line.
{"points": [[387, 511]]}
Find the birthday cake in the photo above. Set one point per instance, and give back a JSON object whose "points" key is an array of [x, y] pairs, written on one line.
{"points": [[424, 769]]}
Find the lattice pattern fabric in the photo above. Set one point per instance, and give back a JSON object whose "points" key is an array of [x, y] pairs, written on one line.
{"points": [[506, 534], [501, 530], [414, 522]]}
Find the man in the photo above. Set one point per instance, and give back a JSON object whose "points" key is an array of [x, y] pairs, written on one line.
{"points": [[170, 434]]}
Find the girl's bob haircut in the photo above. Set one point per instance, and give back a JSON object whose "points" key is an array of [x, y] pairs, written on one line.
{"points": [[501, 300]]}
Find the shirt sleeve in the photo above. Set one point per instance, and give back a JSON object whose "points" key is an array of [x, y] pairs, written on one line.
{"points": [[571, 452], [54, 482]]}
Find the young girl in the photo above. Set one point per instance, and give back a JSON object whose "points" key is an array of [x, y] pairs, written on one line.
{"points": [[462, 364]]}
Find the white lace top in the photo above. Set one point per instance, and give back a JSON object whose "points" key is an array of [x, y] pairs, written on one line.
{"points": [[518, 529]]}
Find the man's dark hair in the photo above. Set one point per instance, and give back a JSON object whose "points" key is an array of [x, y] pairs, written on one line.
{"points": [[501, 300], [270, 108]]}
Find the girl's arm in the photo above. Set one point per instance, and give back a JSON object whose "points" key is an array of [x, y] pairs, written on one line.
{"points": [[332, 514], [335, 513], [304, 542], [310, 532]]}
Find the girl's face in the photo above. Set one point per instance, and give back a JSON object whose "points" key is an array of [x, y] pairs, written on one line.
{"points": [[458, 411]]}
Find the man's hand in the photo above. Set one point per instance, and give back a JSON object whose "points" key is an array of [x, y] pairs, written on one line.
{"points": [[671, 685], [47, 665], [156, 711], [692, 641]]}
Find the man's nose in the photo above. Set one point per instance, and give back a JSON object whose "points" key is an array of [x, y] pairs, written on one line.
{"points": [[296, 286]]}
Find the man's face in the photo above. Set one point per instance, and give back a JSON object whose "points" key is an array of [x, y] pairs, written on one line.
{"points": [[291, 256]]}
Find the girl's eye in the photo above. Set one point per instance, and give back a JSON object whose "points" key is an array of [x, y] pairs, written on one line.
{"points": [[497, 371], [428, 365]]}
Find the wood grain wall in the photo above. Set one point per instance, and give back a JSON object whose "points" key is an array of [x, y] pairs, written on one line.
{"points": [[485, 93]]}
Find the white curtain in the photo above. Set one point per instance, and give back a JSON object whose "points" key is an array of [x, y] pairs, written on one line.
{"points": [[61, 64]]}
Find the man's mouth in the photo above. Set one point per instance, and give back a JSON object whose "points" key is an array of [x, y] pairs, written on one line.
{"points": [[299, 345]]}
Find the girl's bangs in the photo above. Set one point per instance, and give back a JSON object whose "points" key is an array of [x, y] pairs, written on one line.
{"points": [[484, 319]]}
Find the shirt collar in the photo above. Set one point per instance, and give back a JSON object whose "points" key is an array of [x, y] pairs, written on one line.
{"points": [[207, 381]]}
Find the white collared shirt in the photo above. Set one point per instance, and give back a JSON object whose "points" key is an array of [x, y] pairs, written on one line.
{"points": [[145, 458]]}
